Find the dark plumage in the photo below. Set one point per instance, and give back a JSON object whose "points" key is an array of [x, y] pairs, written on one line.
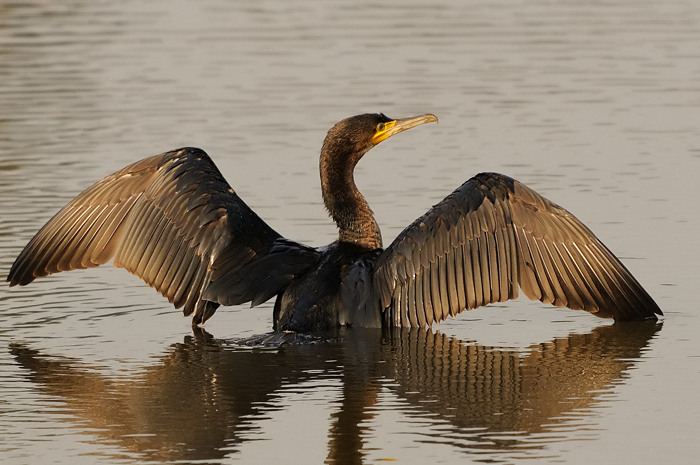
{"points": [[174, 221]]}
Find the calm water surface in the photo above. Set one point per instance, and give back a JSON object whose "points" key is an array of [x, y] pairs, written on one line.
{"points": [[596, 105]]}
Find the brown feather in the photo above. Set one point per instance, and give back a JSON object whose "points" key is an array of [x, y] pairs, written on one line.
{"points": [[504, 236]]}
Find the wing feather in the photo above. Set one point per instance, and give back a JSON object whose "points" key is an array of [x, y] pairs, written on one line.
{"points": [[459, 278], [427, 297], [172, 220], [88, 239], [488, 239]]}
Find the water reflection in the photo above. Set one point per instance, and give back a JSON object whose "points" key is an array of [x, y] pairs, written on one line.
{"points": [[202, 400]]}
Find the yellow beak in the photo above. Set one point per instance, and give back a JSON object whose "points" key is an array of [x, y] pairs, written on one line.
{"points": [[388, 129]]}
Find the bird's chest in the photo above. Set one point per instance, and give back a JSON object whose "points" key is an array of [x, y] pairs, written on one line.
{"points": [[326, 296]]}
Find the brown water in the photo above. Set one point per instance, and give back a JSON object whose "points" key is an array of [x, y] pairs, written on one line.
{"points": [[595, 105]]}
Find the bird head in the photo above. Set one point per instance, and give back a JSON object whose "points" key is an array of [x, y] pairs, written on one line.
{"points": [[352, 137]]}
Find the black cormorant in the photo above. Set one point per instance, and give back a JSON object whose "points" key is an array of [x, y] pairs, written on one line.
{"points": [[174, 221]]}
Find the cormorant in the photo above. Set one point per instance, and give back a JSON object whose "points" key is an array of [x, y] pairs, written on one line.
{"points": [[174, 221]]}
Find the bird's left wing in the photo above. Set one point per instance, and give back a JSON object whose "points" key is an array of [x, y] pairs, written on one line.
{"points": [[490, 237]]}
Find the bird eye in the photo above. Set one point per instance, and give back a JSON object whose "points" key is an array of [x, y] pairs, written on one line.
{"points": [[380, 127]]}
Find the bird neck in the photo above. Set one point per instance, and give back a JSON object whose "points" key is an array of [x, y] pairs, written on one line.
{"points": [[346, 205]]}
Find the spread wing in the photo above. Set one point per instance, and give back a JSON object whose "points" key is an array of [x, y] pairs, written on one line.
{"points": [[175, 222], [490, 237]]}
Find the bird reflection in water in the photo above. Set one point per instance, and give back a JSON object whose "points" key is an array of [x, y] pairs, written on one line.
{"points": [[200, 401]]}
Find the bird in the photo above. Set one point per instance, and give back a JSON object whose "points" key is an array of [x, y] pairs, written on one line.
{"points": [[175, 222]]}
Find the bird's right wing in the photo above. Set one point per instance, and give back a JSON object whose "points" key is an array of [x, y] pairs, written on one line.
{"points": [[486, 239], [175, 222]]}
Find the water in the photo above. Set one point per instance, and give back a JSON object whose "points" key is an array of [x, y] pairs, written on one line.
{"points": [[594, 105]]}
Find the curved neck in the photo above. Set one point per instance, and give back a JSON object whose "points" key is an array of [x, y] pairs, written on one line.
{"points": [[343, 200]]}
